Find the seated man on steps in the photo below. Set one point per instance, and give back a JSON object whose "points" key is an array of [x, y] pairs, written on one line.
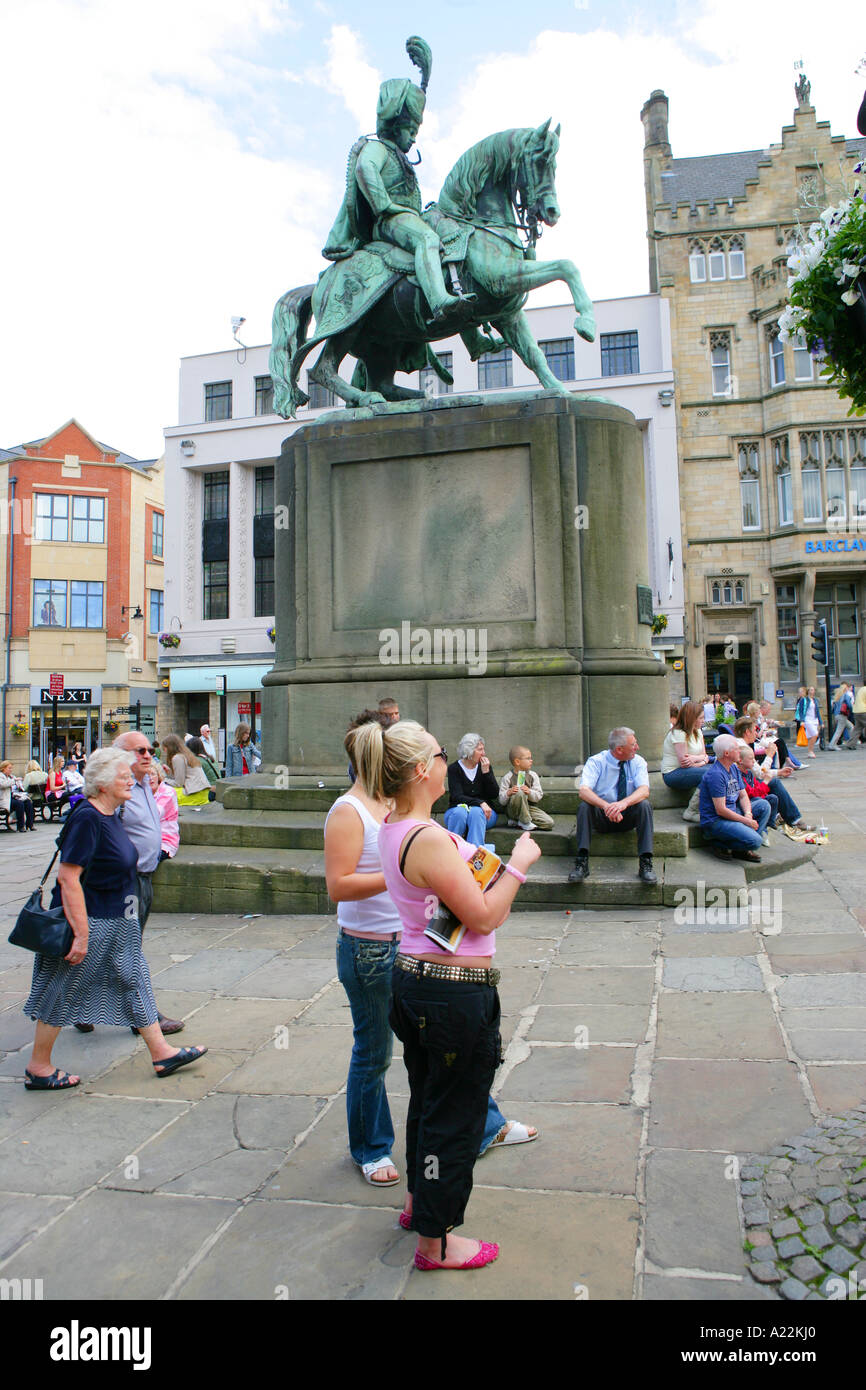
{"points": [[614, 795], [730, 822]]}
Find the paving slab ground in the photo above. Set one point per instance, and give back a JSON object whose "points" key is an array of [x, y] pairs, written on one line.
{"points": [[650, 1045]]}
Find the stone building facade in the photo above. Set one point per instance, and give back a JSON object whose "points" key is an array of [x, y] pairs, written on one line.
{"points": [[772, 471]]}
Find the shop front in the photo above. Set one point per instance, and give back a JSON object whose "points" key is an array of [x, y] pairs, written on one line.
{"points": [[197, 692], [78, 720]]}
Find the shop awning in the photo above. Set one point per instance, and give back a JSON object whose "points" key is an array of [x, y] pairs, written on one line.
{"points": [[184, 680]]}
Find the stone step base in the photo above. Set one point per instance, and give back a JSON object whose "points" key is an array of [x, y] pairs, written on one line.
{"points": [[207, 878]]}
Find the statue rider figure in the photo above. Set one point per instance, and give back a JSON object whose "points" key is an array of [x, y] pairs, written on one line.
{"points": [[383, 199]]}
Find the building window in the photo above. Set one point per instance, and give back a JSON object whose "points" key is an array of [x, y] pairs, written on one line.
{"points": [[619, 354], [750, 497], [560, 357], [88, 520], [720, 359], [788, 632], [216, 589], [837, 605], [494, 369], [834, 472], [320, 396], [85, 603], [264, 585], [52, 517], [736, 259], [264, 395], [717, 259], [803, 370], [218, 400], [265, 490], [777, 357], [429, 380], [157, 521], [49, 603], [783, 494], [728, 591], [216, 496], [697, 263], [156, 615]]}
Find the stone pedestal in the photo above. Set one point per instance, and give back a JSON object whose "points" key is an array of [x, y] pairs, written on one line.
{"points": [[477, 559]]}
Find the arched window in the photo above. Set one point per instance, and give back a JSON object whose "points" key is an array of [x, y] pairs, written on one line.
{"points": [[697, 263], [717, 593], [736, 258], [717, 259]]}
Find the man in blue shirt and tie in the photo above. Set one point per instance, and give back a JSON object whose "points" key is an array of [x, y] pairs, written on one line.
{"points": [[614, 795]]}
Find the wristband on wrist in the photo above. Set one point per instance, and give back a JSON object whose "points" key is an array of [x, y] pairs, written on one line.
{"points": [[510, 869]]}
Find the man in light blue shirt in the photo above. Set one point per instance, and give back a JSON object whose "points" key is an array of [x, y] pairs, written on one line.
{"points": [[614, 795]]}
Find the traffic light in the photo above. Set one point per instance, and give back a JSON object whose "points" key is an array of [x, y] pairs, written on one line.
{"points": [[819, 644]]}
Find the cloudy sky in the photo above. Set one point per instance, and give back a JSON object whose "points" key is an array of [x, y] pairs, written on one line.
{"points": [[170, 165]]}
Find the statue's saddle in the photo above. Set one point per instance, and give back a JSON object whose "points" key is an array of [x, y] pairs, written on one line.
{"points": [[349, 288]]}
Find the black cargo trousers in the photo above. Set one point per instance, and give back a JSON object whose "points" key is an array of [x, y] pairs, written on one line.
{"points": [[451, 1047]]}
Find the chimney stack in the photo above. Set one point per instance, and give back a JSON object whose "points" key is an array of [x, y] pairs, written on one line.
{"points": [[654, 115]]}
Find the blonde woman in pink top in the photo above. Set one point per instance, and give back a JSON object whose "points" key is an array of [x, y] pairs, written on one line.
{"points": [[444, 1008]]}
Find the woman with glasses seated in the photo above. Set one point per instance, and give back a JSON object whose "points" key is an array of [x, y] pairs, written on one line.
{"points": [[444, 1007], [472, 790]]}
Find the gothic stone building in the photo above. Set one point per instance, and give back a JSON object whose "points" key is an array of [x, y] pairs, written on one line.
{"points": [[772, 472]]}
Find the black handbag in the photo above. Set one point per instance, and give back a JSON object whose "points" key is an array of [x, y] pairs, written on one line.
{"points": [[44, 930]]}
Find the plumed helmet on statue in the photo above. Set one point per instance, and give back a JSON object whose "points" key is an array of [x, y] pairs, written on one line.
{"points": [[399, 93]]}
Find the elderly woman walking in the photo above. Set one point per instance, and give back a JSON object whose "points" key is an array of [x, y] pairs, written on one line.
{"points": [[104, 978]]}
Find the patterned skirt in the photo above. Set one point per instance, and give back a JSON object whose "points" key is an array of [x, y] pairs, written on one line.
{"points": [[111, 985]]}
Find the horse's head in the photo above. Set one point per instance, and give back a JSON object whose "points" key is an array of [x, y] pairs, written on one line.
{"points": [[535, 173]]}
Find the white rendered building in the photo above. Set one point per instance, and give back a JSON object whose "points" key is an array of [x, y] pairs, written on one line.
{"points": [[219, 463]]}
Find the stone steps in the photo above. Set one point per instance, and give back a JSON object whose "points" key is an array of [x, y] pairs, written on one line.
{"points": [[218, 878], [216, 825], [260, 794]]}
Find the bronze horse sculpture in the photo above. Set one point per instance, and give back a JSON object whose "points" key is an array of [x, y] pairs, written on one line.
{"points": [[369, 306]]}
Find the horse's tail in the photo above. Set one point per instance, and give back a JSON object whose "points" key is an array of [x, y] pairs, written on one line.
{"points": [[291, 320]]}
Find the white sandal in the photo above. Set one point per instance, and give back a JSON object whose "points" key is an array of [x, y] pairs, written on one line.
{"points": [[517, 1134], [368, 1169]]}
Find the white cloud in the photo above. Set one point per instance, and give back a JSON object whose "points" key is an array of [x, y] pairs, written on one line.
{"points": [[154, 184]]}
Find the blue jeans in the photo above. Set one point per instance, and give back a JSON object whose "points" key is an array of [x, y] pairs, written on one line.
{"points": [[364, 968], [469, 822], [788, 809], [734, 834], [684, 776], [492, 1125]]}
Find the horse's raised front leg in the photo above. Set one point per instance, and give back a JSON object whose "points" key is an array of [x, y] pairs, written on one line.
{"points": [[519, 336], [326, 374], [518, 277]]}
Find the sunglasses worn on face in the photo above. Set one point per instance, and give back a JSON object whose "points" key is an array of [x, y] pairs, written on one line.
{"points": [[443, 754]]}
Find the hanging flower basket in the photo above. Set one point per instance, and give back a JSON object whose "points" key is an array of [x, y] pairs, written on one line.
{"points": [[111, 726], [828, 296], [169, 639], [18, 728], [660, 622], [272, 633]]}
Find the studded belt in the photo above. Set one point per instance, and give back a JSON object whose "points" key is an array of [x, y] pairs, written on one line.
{"points": [[465, 974]]}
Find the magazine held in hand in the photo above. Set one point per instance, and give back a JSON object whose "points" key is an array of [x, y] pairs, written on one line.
{"points": [[444, 928]]}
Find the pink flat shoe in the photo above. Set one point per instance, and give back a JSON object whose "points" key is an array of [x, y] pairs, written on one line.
{"points": [[486, 1255], [405, 1220]]}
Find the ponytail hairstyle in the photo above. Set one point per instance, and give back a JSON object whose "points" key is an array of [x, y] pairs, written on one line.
{"points": [[367, 716], [384, 759]]}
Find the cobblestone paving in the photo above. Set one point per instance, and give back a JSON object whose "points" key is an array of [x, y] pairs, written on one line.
{"points": [[650, 1046], [804, 1208]]}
